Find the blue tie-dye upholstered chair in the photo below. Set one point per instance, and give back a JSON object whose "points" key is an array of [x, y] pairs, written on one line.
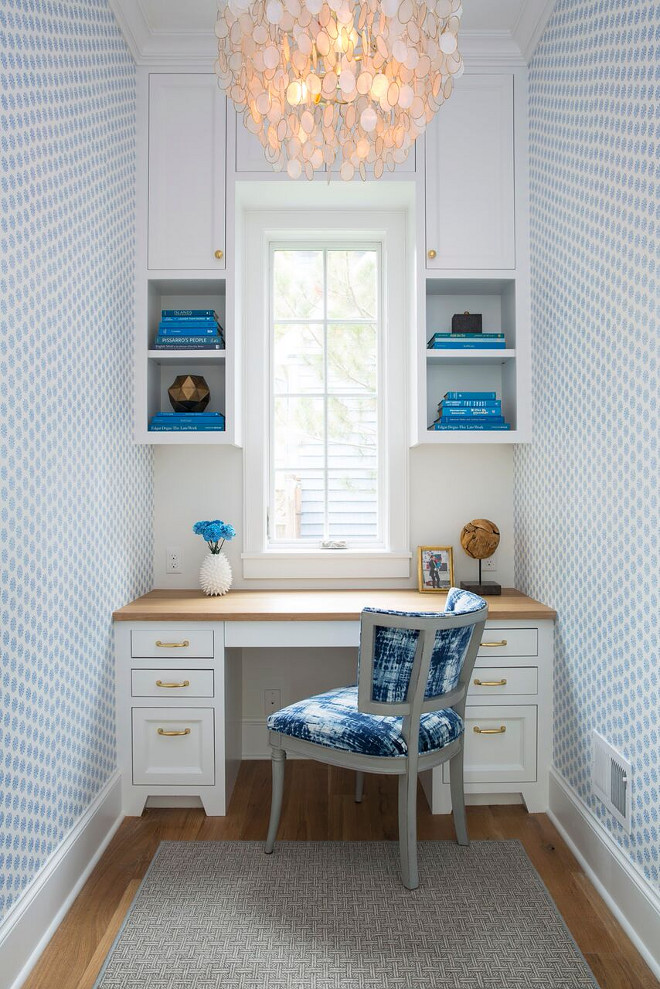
{"points": [[414, 670]]}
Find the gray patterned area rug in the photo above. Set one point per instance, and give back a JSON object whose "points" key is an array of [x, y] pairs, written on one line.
{"points": [[333, 915]]}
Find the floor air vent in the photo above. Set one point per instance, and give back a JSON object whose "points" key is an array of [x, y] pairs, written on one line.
{"points": [[611, 777]]}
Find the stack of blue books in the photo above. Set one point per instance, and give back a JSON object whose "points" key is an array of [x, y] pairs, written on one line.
{"points": [[169, 422], [189, 329], [467, 341], [479, 410]]}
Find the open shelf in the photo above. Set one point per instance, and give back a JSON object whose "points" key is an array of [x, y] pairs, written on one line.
{"points": [[469, 357], [457, 369], [177, 356], [494, 298], [161, 367], [193, 293]]}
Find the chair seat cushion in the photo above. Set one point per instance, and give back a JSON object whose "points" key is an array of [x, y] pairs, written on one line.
{"points": [[333, 720]]}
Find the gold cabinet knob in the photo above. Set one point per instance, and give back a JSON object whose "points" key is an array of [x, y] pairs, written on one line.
{"points": [[432, 254], [219, 255]]}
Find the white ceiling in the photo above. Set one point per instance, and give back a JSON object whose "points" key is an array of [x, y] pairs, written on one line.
{"points": [[199, 15], [169, 31]]}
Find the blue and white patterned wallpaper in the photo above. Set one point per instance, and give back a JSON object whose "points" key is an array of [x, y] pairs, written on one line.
{"points": [[586, 499], [75, 492]]}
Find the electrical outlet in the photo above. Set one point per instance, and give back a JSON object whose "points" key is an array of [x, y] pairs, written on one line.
{"points": [[490, 563], [272, 701], [173, 562]]}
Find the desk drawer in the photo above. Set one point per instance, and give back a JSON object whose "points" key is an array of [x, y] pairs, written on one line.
{"points": [[504, 748], [498, 681], [173, 746], [497, 642], [172, 643], [172, 683]]}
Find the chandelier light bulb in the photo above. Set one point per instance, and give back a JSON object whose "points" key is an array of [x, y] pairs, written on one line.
{"points": [[336, 84]]}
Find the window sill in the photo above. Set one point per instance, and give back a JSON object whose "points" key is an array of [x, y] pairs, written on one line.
{"points": [[315, 565]]}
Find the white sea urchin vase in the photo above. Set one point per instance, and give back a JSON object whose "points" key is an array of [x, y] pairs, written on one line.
{"points": [[215, 574]]}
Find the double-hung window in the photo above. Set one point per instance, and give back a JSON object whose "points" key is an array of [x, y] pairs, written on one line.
{"points": [[325, 396], [325, 481]]}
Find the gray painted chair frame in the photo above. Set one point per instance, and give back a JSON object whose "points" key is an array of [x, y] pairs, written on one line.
{"points": [[406, 767]]}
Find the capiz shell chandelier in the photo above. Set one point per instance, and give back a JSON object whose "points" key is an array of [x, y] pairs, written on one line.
{"points": [[337, 85]]}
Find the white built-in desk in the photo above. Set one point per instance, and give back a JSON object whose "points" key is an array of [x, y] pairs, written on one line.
{"points": [[179, 695]]}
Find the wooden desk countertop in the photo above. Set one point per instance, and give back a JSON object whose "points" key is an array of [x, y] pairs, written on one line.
{"points": [[310, 606]]}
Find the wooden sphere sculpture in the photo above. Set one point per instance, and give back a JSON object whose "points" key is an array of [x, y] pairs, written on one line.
{"points": [[480, 538], [189, 393]]}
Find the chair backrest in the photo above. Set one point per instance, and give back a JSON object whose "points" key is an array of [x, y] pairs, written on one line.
{"points": [[413, 662]]}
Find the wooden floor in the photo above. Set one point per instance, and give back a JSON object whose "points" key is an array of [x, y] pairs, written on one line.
{"points": [[319, 805]]}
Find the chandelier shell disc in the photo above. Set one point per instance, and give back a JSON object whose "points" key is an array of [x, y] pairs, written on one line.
{"points": [[334, 84]]}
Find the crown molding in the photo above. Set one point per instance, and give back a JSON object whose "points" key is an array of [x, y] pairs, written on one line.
{"points": [[132, 25], [531, 24], [194, 48], [483, 48]]}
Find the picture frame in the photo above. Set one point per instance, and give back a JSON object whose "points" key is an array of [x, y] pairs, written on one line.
{"points": [[435, 568]]}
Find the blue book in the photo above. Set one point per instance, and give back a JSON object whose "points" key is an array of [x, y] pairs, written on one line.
{"points": [[190, 313], [189, 320], [189, 330], [474, 404], [464, 336], [468, 345], [469, 421], [484, 426], [182, 427], [176, 338], [208, 347], [477, 413], [465, 396], [195, 416], [185, 343], [169, 419], [200, 324]]}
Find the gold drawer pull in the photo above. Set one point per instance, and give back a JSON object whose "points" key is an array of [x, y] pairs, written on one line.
{"points": [[172, 645], [432, 254], [490, 683], [218, 254], [494, 645], [489, 731], [169, 734], [184, 683]]}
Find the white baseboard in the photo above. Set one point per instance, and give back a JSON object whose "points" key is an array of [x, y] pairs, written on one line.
{"points": [[628, 894], [36, 915]]}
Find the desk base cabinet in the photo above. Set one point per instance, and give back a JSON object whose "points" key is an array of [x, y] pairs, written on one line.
{"points": [[179, 709], [508, 721], [178, 714]]}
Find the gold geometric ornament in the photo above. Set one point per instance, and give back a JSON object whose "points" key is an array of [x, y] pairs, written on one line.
{"points": [[189, 393]]}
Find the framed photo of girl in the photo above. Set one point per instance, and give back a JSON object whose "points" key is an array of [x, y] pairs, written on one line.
{"points": [[435, 568]]}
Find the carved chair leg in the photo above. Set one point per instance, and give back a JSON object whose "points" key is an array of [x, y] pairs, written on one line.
{"points": [[278, 759], [359, 787], [408, 830], [458, 797]]}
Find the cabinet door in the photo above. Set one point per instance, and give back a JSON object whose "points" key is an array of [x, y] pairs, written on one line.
{"points": [[173, 746], [500, 744], [469, 176], [187, 138]]}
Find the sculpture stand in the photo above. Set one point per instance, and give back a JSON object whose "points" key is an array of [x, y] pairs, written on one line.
{"points": [[483, 588]]}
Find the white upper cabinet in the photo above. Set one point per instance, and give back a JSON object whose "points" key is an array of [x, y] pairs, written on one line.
{"points": [[187, 138], [470, 177]]}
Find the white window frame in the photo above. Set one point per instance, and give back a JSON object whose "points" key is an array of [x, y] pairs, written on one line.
{"points": [[263, 228]]}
